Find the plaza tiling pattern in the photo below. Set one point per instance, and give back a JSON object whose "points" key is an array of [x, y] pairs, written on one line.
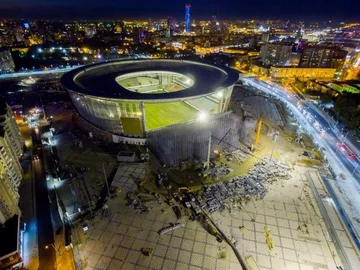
{"points": [[296, 246], [115, 242], [128, 175]]}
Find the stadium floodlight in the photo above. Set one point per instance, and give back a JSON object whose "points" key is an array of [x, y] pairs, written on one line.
{"points": [[219, 94], [203, 116]]}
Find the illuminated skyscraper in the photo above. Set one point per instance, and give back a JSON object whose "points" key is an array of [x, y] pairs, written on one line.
{"points": [[322, 56], [11, 147], [275, 54], [187, 18]]}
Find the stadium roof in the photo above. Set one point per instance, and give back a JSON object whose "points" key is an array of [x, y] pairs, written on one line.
{"points": [[99, 79]]}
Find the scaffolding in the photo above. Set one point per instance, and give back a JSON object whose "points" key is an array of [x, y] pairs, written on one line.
{"points": [[190, 141]]}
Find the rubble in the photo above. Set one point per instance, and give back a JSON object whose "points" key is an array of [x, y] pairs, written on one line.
{"points": [[240, 155], [216, 170], [239, 189]]}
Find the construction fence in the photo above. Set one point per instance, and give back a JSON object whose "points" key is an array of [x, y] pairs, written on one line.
{"points": [[190, 141]]}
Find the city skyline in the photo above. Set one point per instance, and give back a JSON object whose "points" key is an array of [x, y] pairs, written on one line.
{"points": [[201, 9], [179, 135]]}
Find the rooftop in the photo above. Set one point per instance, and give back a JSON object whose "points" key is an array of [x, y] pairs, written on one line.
{"points": [[100, 79], [9, 234]]}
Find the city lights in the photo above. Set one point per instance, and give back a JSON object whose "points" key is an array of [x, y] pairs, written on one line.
{"points": [[235, 138]]}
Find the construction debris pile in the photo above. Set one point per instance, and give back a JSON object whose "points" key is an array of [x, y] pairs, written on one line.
{"points": [[240, 155], [240, 189], [217, 170]]}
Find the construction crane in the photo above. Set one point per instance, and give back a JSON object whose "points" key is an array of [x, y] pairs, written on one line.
{"points": [[258, 133], [259, 126]]}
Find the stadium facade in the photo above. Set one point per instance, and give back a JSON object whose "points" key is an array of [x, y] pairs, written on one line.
{"points": [[126, 99]]}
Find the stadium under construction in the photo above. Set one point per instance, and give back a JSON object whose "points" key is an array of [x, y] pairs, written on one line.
{"points": [[139, 101]]}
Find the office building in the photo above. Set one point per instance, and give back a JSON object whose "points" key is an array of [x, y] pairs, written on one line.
{"points": [[322, 57], [187, 18], [137, 35], [169, 28], [265, 37], [324, 74], [169, 23], [11, 148], [275, 54], [338, 59]]}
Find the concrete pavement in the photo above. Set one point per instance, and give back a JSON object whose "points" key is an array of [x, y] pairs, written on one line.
{"points": [[351, 189]]}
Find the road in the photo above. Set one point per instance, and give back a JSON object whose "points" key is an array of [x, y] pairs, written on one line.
{"points": [[325, 139], [36, 73], [350, 140], [28, 207], [47, 255]]}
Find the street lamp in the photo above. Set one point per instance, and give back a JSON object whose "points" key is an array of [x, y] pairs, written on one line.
{"points": [[53, 246], [204, 117], [57, 250], [274, 138]]}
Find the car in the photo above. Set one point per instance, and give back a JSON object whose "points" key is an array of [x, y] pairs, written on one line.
{"points": [[351, 155], [35, 157]]}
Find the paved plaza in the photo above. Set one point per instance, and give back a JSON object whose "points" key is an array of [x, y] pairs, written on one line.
{"points": [[115, 243], [299, 236], [289, 211]]}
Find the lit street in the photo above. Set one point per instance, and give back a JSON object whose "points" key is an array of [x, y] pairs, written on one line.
{"points": [[47, 257], [181, 135]]}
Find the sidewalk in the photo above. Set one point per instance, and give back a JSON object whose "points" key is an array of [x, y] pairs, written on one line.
{"points": [[30, 247], [347, 250], [27, 194]]}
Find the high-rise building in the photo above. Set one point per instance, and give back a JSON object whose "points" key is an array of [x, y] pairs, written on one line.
{"points": [[6, 61], [265, 37], [187, 18], [11, 148], [322, 56], [137, 35], [338, 59], [275, 54], [169, 23], [215, 25]]}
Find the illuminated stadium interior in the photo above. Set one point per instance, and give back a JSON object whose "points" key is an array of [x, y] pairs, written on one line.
{"points": [[128, 98], [154, 82]]}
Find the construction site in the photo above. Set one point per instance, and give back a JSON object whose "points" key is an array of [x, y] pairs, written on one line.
{"points": [[246, 194]]}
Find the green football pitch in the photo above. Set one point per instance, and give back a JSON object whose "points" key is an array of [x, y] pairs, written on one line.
{"points": [[164, 114]]}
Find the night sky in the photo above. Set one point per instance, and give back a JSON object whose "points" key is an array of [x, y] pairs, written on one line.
{"points": [[201, 9]]}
